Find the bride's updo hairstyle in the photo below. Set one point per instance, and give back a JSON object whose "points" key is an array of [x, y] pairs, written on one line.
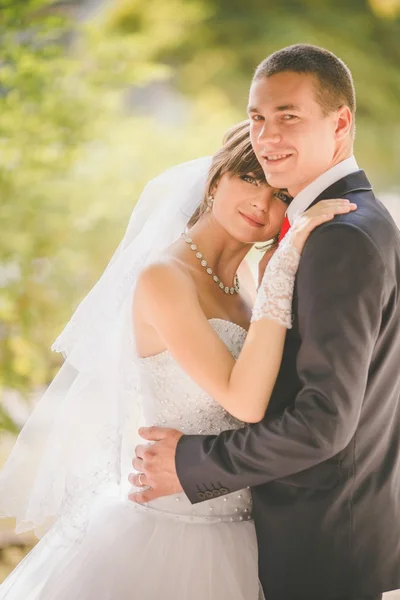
{"points": [[236, 158]]}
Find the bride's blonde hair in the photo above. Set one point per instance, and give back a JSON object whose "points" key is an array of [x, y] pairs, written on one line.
{"points": [[236, 158]]}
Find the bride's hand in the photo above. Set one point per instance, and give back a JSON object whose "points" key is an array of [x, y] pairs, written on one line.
{"points": [[303, 225], [318, 214]]}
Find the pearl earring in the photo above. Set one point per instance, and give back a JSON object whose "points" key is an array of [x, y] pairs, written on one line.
{"points": [[210, 202]]}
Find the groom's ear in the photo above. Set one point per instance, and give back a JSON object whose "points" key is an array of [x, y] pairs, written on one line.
{"points": [[344, 123]]}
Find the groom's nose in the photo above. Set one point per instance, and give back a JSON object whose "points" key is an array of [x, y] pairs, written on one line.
{"points": [[269, 133]]}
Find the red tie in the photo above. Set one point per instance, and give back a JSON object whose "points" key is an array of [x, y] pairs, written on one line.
{"points": [[285, 228]]}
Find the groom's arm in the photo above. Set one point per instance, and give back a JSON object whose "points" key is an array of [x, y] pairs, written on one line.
{"points": [[342, 286]]}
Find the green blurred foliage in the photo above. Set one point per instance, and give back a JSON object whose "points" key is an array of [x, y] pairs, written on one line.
{"points": [[89, 111], [41, 124]]}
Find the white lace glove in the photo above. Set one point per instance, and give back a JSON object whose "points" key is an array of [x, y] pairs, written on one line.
{"points": [[275, 294]]}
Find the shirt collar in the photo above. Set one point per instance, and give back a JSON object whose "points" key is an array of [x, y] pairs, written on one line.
{"points": [[302, 201]]}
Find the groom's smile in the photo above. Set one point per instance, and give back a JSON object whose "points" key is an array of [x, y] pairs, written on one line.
{"points": [[270, 160]]}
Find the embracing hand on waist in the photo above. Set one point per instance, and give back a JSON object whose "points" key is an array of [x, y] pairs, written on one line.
{"points": [[155, 464]]}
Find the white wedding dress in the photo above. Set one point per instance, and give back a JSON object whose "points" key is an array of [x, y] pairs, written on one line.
{"points": [[169, 549]]}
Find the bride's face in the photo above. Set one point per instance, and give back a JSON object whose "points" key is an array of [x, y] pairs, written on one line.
{"points": [[251, 211]]}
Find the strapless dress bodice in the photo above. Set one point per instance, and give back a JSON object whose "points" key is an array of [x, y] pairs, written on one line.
{"points": [[173, 399]]}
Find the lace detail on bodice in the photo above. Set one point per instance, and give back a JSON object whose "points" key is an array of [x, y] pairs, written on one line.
{"points": [[173, 399], [275, 294]]}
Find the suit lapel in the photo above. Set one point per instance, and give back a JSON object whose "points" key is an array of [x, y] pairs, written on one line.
{"points": [[355, 182]]}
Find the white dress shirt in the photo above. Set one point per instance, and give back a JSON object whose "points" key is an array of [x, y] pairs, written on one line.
{"points": [[302, 201]]}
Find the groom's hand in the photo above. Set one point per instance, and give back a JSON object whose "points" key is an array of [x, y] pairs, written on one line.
{"points": [[156, 464]]}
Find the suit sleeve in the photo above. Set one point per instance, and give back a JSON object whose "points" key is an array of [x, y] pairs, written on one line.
{"points": [[341, 292]]}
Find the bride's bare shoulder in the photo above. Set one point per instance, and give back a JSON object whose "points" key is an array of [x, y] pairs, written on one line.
{"points": [[164, 271], [169, 273]]}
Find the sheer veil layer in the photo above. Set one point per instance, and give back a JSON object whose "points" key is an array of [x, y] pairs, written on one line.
{"points": [[74, 444]]}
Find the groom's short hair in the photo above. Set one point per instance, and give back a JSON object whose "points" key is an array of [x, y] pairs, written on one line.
{"points": [[335, 82]]}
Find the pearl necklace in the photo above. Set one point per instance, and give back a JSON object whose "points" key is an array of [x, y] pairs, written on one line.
{"points": [[203, 262]]}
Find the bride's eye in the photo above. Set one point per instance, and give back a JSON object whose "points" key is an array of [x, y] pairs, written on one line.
{"points": [[283, 196], [250, 179]]}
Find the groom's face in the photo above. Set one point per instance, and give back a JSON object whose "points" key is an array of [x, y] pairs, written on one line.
{"points": [[292, 138]]}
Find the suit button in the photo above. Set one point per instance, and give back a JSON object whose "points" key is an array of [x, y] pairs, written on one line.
{"points": [[216, 493], [209, 494], [224, 490], [201, 495]]}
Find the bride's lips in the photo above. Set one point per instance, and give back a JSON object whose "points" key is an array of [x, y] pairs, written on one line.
{"points": [[251, 221]]}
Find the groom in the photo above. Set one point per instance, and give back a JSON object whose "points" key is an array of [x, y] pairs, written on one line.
{"points": [[324, 464]]}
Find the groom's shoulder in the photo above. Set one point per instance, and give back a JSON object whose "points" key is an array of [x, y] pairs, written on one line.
{"points": [[369, 231], [371, 218], [357, 188]]}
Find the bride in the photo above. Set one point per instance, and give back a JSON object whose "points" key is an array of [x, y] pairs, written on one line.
{"points": [[127, 363]]}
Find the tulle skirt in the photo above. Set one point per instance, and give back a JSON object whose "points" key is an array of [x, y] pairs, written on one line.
{"points": [[130, 553]]}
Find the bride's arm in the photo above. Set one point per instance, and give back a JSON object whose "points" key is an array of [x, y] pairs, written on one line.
{"points": [[172, 308], [169, 302]]}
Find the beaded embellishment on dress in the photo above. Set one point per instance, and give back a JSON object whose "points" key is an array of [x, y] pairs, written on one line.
{"points": [[173, 399]]}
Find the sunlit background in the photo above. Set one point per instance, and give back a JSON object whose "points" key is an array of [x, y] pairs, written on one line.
{"points": [[97, 97]]}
